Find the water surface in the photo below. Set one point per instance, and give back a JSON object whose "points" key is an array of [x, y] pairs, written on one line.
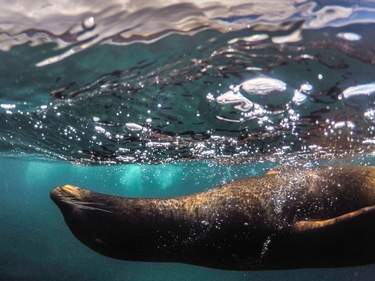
{"points": [[164, 98]]}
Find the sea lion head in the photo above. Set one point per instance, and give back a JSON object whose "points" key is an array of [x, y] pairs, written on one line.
{"points": [[88, 217]]}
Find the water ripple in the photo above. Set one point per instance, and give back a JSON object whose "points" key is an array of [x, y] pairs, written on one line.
{"points": [[110, 82]]}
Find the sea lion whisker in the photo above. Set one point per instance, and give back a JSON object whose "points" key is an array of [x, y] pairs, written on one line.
{"points": [[81, 206], [88, 203]]}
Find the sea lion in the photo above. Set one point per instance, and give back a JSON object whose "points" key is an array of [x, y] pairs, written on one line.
{"points": [[323, 217]]}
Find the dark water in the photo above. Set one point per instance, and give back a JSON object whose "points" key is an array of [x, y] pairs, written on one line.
{"points": [[164, 98]]}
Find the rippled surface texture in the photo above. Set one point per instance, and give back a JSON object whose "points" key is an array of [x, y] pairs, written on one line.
{"points": [[153, 82], [237, 86]]}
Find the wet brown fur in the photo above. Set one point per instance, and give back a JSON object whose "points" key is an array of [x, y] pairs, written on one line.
{"points": [[286, 219]]}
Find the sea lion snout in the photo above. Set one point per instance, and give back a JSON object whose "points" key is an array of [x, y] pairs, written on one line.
{"points": [[66, 195], [64, 191]]}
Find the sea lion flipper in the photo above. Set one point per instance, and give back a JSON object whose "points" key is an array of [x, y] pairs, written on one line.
{"points": [[320, 225]]}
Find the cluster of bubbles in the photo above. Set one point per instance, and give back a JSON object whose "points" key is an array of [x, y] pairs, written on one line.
{"points": [[295, 86]]}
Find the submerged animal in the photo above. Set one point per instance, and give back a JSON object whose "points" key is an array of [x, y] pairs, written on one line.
{"points": [[323, 217]]}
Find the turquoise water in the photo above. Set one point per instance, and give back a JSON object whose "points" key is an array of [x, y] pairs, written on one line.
{"points": [[166, 98], [37, 245]]}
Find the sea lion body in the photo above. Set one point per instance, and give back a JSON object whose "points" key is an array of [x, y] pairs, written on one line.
{"points": [[321, 217]]}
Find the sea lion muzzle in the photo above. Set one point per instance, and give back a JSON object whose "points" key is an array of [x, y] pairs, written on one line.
{"points": [[322, 217]]}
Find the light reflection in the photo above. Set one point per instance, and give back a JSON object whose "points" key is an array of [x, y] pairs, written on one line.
{"points": [[240, 102], [263, 86], [349, 36], [359, 90]]}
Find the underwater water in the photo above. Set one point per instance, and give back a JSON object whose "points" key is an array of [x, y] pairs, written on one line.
{"points": [[36, 244], [167, 98]]}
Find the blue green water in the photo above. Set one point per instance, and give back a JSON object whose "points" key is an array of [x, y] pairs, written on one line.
{"points": [[36, 244], [166, 98]]}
